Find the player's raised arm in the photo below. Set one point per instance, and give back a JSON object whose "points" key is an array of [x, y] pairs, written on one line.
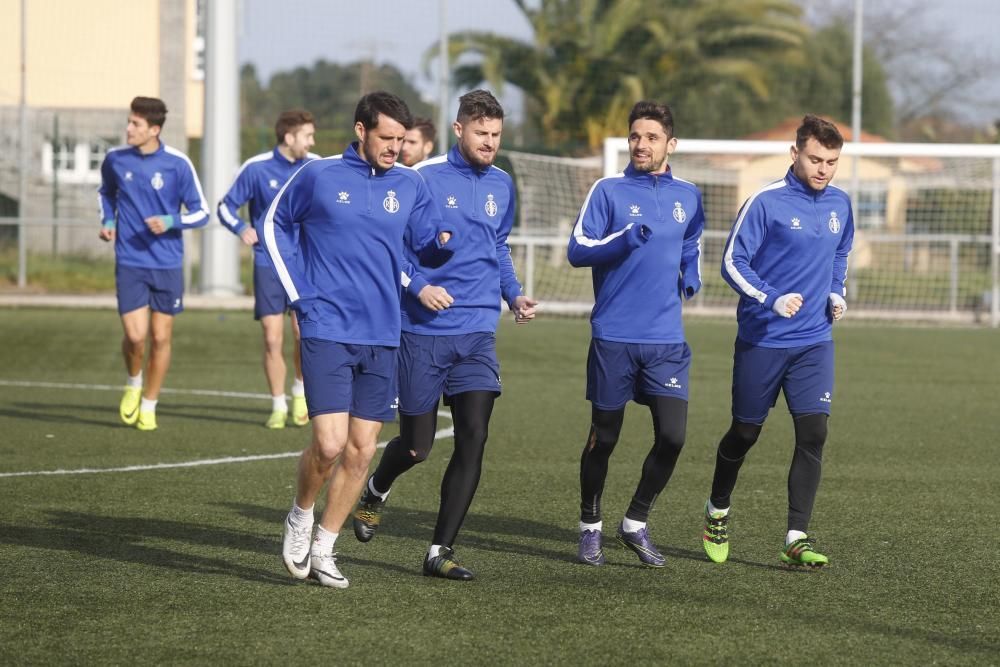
{"points": [[290, 209], [592, 242], [745, 238], [239, 193], [107, 198], [690, 278]]}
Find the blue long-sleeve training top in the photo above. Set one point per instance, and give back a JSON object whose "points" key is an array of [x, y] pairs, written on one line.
{"points": [[257, 182], [479, 204], [134, 187], [353, 220], [641, 233], [789, 238]]}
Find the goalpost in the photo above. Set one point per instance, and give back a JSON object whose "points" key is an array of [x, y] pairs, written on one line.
{"points": [[927, 220]]}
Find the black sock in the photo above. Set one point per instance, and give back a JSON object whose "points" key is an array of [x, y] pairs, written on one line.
{"points": [[729, 458], [605, 427], [806, 469], [471, 413], [669, 426], [410, 447]]}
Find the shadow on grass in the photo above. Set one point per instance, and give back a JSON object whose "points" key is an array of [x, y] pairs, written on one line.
{"points": [[52, 413], [486, 531], [122, 539], [480, 531]]}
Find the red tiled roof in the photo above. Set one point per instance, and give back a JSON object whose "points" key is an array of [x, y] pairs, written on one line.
{"points": [[785, 131]]}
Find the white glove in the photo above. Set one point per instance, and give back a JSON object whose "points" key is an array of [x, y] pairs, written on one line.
{"points": [[838, 306], [787, 305]]}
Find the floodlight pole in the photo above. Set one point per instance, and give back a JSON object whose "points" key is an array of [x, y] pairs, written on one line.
{"points": [[444, 127], [220, 249], [22, 181], [856, 101]]}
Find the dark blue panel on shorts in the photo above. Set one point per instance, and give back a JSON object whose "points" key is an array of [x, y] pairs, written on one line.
{"points": [[160, 289], [620, 372], [269, 296], [358, 379], [430, 366], [804, 374]]}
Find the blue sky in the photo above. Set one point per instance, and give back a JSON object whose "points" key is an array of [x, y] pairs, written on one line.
{"points": [[278, 36]]}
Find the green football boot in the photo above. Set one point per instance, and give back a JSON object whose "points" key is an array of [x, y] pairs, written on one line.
{"points": [[277, 419], [128, 409], [715, 537], [800, 554]]}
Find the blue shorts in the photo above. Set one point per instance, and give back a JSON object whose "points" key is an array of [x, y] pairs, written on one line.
{"points": [[343, 377], [433, 365], [269, 296], [160, 289], [619, 372], [804, 374]]}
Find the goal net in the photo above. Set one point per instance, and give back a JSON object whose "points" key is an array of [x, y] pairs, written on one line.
{"points": [[927, 223]]}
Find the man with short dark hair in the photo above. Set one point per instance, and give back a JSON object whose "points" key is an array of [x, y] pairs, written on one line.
{"points": [[641, 232], [453, 351], [257, 183], [149, 193], [419, 142], [336, 236], [787, 259]]}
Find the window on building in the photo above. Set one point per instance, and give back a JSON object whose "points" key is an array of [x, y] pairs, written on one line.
{"points": [[870, 205], [72, 160], [64, 155], [98, 149]]}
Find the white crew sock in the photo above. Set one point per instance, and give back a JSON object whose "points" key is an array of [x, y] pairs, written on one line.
{"points": [[298, 387], [134, 382], [323, 542], [300, 518], [591, 526], [712, 509], [147, 405], [793, 535], [278, 403], [630, 526]]}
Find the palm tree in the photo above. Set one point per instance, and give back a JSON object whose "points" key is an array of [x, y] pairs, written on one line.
{"points": [[592, 59]]}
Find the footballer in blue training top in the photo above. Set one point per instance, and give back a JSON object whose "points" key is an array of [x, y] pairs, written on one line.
{"points": [[640, 231], [149, 193], [787, 259], [336, 236], [257, 184], [452, 351]]}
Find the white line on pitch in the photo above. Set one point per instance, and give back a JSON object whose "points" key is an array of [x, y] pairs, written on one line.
{"points": [[441, 434], [118, 387]]}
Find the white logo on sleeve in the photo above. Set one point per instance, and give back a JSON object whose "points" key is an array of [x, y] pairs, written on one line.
{"points": [[451, 202], [156, 181], [128, 175], [672, 384], [679, 214], [491, 206], [834, 222], [634, 211], [343, 197], [390, 203], [796, 223], [826, 398], [273, 183]]}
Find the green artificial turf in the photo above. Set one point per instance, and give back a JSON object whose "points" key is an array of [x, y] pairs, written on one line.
{"points": [[182, 565]]}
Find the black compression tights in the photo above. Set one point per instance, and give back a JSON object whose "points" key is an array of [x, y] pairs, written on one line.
{"points": [[669, 426], [471, 413], [803, 475]]}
